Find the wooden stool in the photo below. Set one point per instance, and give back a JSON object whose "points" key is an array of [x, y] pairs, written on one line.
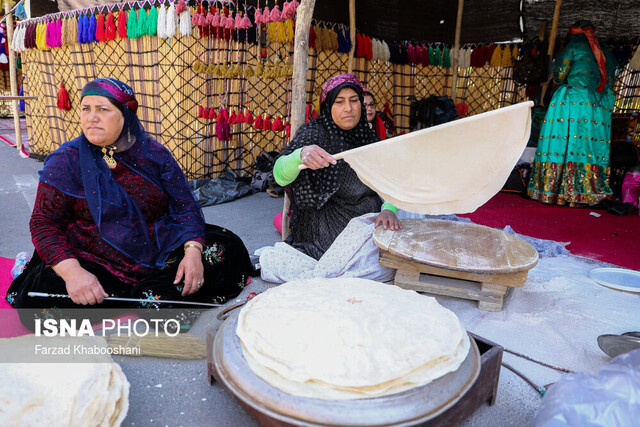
{"points": [[456, 259]]}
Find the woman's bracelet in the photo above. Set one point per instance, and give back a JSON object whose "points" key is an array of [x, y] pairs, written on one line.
{"points": [[192, 245]]}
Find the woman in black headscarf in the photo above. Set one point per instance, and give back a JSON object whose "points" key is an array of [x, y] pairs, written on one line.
{"points": [[327, 195]]}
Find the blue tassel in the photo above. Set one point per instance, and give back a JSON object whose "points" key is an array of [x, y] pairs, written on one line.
{"points": [[81, 29], [92, 29], [21, 103]]}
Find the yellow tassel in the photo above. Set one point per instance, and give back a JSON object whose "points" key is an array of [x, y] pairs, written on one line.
{"points": [[259, 69], [196, 66], [281, 30], [73, 31], [505, 60], [248, 71], [334, 40], [319, 40], [514, 54], [272, 28], [211, 68], [289, 30], [496, 57]]}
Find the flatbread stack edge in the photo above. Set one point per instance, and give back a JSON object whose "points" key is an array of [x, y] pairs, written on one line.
{"points": [[63, 394], [349, 338]]}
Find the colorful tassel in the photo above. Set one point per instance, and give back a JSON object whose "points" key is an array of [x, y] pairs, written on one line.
{"points": [[276, 15], [152, 22], [122, 24], [63, 98], [258, 124], [277, 125], [110, 27], [266, 123], [249, 117]]}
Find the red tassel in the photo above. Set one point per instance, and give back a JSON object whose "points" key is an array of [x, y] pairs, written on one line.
{"points": [[249, 119], [312, 38], [122, 24], [240, 118], [63, 98], [111, 28], [277, 125], [212, 113], [314, 114], [200, 111], [234, 117], [266, 124], [287, 128], [225, 114], [220, 116], [100, 35], [258, 123]]}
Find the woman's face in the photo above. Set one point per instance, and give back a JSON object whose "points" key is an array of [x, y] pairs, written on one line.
{"points": [[370, 106], [101, 121], [345, 110]]}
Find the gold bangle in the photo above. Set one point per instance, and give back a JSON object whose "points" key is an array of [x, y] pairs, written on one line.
{"points": [[191, 245]]}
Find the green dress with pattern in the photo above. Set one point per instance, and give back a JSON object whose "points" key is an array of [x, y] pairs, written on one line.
{"points": [[572, 164]]}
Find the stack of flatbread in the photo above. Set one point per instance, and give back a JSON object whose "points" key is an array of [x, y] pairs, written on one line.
{"points": [[348, 338], [61, 394]]}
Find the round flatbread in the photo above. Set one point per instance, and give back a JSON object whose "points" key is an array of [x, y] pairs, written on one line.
{"points": [[349, 338]]}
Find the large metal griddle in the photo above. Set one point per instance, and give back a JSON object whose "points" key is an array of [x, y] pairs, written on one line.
{"points": [[272, 407]]}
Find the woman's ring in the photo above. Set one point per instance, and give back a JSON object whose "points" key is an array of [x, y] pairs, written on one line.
{"points": [[199, 283]]}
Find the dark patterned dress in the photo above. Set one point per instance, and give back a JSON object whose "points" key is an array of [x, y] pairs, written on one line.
{"points": [[62, 227]]}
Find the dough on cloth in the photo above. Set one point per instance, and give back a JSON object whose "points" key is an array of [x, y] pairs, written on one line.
{"points": [[452, 168], [73, 393], [348, 338]]}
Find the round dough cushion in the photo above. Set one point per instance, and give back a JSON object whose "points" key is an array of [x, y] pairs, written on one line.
{"points": [[348, 338]]}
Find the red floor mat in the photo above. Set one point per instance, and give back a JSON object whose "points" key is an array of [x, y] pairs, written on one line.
{"points": [[607, 237]]}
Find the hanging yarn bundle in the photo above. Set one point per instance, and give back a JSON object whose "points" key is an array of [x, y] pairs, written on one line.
{"points": [[185, 18], [63, 98]]}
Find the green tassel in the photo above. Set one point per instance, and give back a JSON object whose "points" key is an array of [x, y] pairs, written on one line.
{"points": [[142, 23], [132, 24], [437, 56], [446, 58], [152, 22], [432, 58]]}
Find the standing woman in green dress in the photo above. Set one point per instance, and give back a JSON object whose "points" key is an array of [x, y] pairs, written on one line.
{"points": [[572, 163]]}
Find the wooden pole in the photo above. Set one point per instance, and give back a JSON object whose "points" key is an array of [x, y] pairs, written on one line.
{"points": [[13, 77], [456, 49], [352, 33], [552, 45], [304, 13]]}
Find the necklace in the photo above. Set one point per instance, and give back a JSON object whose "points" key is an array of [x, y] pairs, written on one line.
{"points": [[108, 157]]}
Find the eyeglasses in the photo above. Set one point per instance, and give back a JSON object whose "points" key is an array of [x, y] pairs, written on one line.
{"points": [[371, 105]]}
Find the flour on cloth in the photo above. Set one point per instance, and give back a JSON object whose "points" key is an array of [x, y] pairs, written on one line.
{"points": [[451, 168], [352, 254], [349, 338], [75, 392]]}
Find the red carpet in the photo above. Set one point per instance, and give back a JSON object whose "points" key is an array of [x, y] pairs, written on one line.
{"points": [[8, 134], [609, 238]]}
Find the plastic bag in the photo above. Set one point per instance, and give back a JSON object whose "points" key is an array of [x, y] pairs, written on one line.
{"points": [[610, 398], [225, 188]]}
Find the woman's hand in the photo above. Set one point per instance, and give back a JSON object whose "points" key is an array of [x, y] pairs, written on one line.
{"points": [[82, 286], [315, 157], [388, 220], [192, 270]]}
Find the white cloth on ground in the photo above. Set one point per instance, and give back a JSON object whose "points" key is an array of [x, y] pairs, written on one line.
{"points": [[352, 254]]}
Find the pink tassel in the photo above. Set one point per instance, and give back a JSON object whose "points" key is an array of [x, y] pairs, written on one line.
{"points": [[223, 20], [246, 22], [286, 11], [230, 22], [195, 19], [266, 15], [238, 23], [257, 17], [211, 19], [181, 7], [275, 15]]}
